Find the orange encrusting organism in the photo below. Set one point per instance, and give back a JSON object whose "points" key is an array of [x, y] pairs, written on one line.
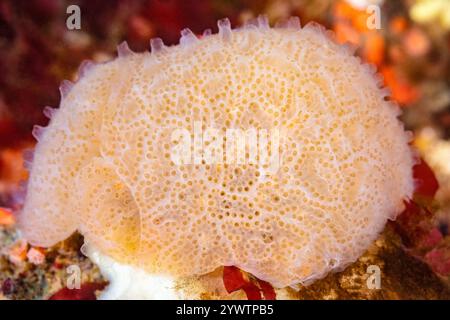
{"points": [[103, 165], [6, 217]]}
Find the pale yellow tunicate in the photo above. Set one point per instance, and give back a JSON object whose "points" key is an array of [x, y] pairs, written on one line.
{"points": [[103, 165]]}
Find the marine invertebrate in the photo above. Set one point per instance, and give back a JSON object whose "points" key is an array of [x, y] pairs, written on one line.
{"points": [[104, 165]]}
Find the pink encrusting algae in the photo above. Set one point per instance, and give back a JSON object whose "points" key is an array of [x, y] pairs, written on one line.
{"points": [[103, 165]]}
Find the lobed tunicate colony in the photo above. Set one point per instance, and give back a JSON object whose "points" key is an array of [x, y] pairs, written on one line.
{"points": [[103, 165]]}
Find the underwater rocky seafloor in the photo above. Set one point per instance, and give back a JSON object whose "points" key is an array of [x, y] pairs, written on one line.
{"points": [[414, 259], [402, 276]]}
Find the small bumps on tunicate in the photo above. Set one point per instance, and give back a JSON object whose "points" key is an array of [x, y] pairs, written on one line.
{"points": [[103, 166]]}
